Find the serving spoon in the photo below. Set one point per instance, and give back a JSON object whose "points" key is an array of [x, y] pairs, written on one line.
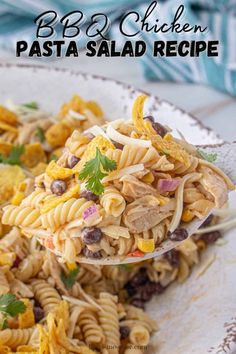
{"points": [[226, 161]]}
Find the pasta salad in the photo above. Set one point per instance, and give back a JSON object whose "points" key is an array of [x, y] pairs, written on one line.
{"points": [[119, 190]]}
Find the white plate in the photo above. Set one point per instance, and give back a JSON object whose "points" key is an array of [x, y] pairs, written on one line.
{"points": [[199, 316]]}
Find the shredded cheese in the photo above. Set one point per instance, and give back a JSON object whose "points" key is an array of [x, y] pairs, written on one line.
{"points": [[76, 115], [125, 140], [123, 172], [96, 130]]}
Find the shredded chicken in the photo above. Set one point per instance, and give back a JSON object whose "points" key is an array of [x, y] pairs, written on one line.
{"points": [[145, 213], [133, 188], [28, 131], [214, 185]]}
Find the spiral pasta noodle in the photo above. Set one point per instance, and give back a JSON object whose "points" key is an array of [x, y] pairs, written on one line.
{"points": [[15, 337], [35, 199], [65, 212], [139, 336], [108, 319], [30, 266], [21, 215], [45, 294], [91, 330], [77, 143], [112, 201], [132, 155]]}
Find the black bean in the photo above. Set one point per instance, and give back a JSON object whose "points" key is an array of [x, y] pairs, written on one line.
{"points": [[72, 161], [179, 234], [130, 289], [118, 145], [210, 237], [91, 235], [89, 196], [208, 220], [150, 118], [159, 128], [89, 254], [16, 262], [137, 303], [146, 292], [38, 313], [124, 332], [172, 257], [158, 288], [58, 186], [140, 278]]}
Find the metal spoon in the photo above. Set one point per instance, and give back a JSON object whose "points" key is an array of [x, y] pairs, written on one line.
{"points": [[226, 161]]}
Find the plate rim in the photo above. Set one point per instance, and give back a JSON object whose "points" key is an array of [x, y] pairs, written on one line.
{"points": [[198, 122]]}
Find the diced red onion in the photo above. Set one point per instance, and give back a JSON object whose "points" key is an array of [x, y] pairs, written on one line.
{"points": [[167, 185], [90, 211]]}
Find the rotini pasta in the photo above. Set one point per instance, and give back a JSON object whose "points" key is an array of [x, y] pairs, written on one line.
{"points": [[108, 318], [20, 215], [65, 212], [45, 294], [15, 337], [91, 330], [30, 266], [112, 201]]}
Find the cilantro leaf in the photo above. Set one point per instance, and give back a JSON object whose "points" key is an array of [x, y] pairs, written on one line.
{"points": [[93, 174], [53, 157], [40, 134], [31, 105], [10, 306], [70, 278], [14, 156], [126, 267], [4, 324], [207, 157]]}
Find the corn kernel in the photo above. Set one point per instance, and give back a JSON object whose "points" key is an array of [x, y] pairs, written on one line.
{"points": [[21, 187], [18, 197], [168, 137], [146, 245], [163, 200], [187, 216], [71, 266], [148, 178], [7, 258]]}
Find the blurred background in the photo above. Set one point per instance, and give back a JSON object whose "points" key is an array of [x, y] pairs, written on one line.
{"points": [[205, 87]]}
